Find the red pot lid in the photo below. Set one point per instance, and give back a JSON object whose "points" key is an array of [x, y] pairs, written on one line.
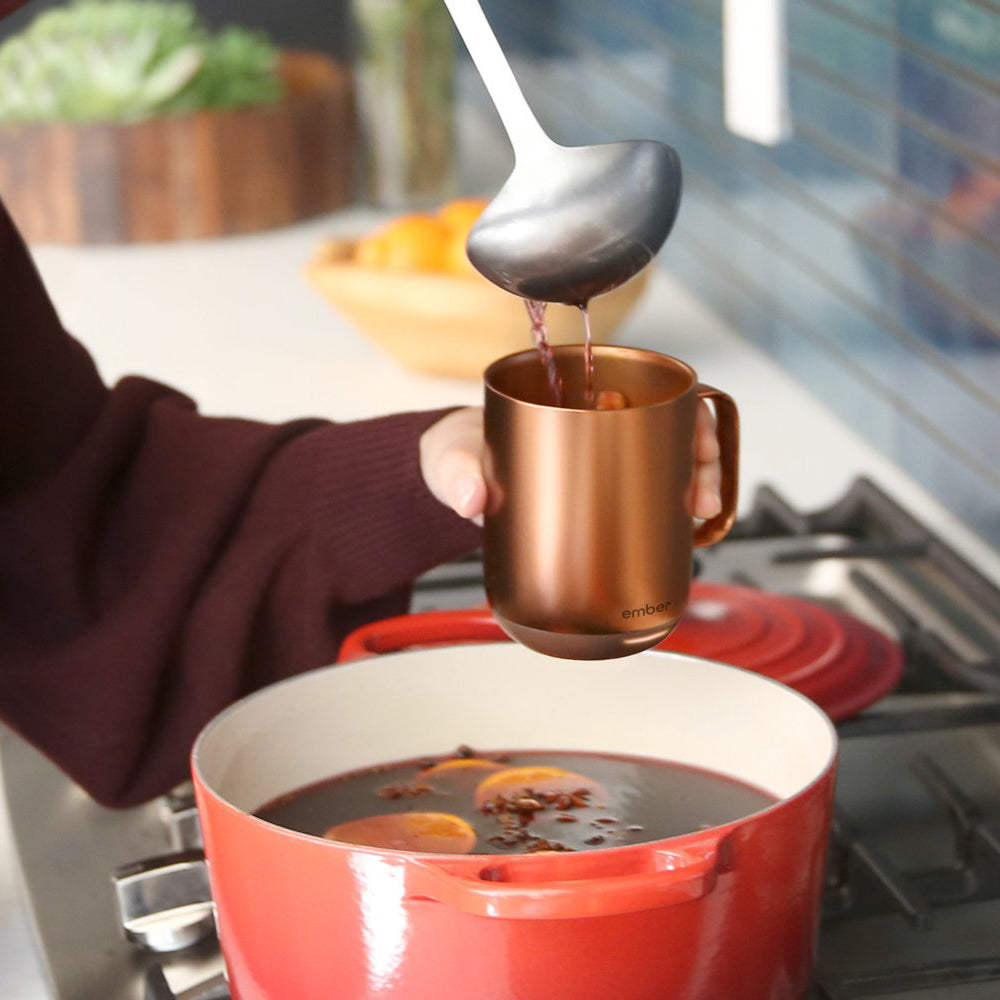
{"points": [[839, 662]]}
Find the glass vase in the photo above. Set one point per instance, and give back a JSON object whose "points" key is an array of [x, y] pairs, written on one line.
{"points": [[404, 72]]}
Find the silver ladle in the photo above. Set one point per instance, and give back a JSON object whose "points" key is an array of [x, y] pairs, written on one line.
{"points": [[570, 222]]}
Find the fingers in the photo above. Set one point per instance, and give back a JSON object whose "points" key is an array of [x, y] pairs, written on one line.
{"points": [[707, 499], [708, 469], [706, 444], [462, 487], [451, 462]]}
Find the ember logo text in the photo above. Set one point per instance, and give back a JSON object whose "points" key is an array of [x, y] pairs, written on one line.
{"points": [[649, 609]]}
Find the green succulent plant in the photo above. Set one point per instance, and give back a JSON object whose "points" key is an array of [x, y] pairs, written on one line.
{"points": [[124, 60]]}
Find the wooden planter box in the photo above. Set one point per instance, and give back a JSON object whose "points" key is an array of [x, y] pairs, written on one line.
{"points": [[211, 173]]}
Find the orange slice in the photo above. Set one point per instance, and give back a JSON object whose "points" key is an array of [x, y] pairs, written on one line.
{"points": [[513, 781], [428, 832], [460, 765], [609, 399]]}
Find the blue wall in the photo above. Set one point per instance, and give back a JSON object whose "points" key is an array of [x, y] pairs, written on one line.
{"points": [[864, 253]]}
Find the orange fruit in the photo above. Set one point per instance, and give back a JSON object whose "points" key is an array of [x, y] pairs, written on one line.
{"points": [[422, 242], [370, 251], [514, 781], [414, 243], [428, 832], [456, 260], [460, 215]]}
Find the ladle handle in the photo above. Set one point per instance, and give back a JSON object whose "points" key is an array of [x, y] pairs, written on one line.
{"points": [[518, 119]]}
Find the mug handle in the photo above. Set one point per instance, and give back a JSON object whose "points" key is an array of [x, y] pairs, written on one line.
{"points": [[727, 420]]}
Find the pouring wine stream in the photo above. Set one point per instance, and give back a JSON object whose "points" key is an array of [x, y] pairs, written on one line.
{"points": [[570, 222]]}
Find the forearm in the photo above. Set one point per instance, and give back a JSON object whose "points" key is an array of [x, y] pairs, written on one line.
{"points": [[157, 564], [175, 562], [50, 391]]}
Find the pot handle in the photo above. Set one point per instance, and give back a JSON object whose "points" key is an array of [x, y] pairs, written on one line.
{"points": [[430, 628], [668, 876], [728, 428]]}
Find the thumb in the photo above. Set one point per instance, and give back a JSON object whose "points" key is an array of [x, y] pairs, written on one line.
{"points": [[451, 461], [462, 482]]}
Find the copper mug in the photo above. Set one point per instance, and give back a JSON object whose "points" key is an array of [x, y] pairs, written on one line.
{"points": [[588, 531]]}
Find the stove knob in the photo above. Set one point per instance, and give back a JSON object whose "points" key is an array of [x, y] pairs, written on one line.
{"points": [[181, 816], [157, 988], [165, 903]]}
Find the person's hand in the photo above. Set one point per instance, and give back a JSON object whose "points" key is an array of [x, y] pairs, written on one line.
{"points": [[707, 501], [451, 460]]}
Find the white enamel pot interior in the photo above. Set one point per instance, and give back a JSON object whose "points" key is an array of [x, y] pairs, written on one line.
{"points": [[504, 696]]}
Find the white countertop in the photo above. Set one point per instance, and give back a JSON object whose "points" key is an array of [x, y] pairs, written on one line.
{"points": [[233, 324]]}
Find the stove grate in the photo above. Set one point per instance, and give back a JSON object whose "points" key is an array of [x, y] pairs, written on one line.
{"points": [[862, 879], [913, 979]]}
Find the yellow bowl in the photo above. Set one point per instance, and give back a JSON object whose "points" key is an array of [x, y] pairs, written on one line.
{"points": [[447, 324]]}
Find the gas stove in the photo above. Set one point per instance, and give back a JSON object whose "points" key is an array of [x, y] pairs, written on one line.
{"points": [[912, 907]]}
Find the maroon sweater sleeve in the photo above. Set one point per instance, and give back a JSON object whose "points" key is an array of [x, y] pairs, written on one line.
{"points": [[156, 564]]}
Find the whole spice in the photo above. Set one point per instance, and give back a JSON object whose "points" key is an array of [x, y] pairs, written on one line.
{"points": [[403, 790]]}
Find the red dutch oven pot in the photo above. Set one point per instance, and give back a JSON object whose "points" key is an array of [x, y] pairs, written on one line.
{"points": [[726, 913]]}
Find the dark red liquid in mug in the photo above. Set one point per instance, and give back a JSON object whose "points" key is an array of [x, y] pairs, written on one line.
{"points": [[624, 800]]}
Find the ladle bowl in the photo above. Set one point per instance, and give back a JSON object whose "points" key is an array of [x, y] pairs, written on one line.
{"points": [[571, 222]]}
